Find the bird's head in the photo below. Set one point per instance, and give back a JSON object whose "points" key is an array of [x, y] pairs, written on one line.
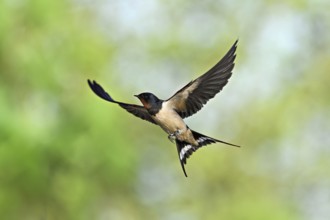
{"points": [[148, 99]]}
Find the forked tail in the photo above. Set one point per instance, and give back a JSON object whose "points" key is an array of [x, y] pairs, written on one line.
{"points": [[185, 149]]}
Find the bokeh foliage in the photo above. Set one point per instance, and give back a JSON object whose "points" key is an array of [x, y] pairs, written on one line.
{"points": [[65, 154]]}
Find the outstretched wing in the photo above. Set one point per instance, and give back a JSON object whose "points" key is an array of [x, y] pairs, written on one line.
{"points": [[138, 111], [192, 97]]}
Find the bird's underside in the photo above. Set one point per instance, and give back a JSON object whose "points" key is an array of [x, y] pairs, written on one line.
{"points": [[169, 114]]}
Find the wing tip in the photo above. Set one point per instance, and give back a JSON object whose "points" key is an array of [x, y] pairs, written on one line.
{"points": [[99, 91], [92, 83], [232, 50], [235, 44], [89, 83]]}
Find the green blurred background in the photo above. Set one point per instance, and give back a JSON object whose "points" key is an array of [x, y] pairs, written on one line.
{"points": [[66, 154]]}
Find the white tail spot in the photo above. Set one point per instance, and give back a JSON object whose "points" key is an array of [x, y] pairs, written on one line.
{"points": [[202, 139], [184, 151]]}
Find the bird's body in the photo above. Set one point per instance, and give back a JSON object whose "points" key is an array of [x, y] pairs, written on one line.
{"points": [[172, 123], [168, 119], [169, 114]]}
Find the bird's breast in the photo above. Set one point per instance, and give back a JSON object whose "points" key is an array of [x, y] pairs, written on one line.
{"points": [[168, 119]]}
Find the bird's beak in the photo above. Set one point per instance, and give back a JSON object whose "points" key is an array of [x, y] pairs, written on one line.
{"points": [[137, 96]]}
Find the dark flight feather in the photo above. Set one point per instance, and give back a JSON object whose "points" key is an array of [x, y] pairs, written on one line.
{"points": [[138, 111], [192, 97]]}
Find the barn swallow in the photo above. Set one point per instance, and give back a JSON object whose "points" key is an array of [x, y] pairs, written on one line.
{"points": [[169, 114]]}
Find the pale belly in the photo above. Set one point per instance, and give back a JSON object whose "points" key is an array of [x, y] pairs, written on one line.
{"points": [[170, 121]]}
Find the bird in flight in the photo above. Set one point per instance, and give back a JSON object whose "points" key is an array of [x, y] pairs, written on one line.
{"points": [[169, 114]]}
